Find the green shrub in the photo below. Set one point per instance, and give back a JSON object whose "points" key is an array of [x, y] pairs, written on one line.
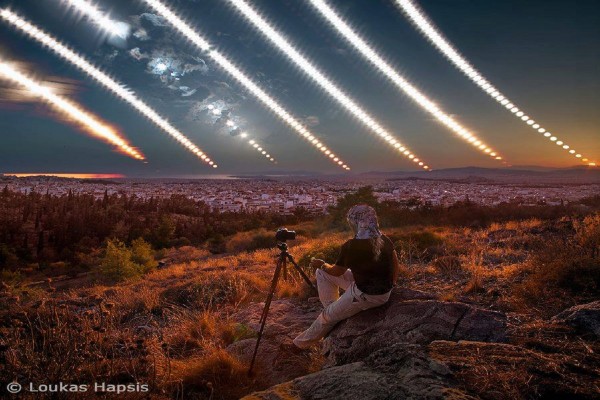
{"points": [[262, 240], [120, 263], [217, 244], [142, 255], [250, 241]]}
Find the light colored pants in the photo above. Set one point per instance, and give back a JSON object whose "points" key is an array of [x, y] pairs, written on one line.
{"points": [[337, 308]]}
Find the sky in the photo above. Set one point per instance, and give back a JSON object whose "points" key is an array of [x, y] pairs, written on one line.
{"points": [[542, 54]]}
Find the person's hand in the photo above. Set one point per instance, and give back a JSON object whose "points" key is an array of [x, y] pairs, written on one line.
{"points": [[316, 263]]}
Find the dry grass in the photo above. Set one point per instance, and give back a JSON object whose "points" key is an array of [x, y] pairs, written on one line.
{"points": [[448, 265], [476, 282], [82, 338], [214, 375], [504, 371], [171, 329]]}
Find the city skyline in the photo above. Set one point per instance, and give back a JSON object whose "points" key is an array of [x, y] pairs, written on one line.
{"points": [[545, 56]]}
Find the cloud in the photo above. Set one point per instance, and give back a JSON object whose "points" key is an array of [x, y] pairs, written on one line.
{"points": [[311, 121], [137, 54], [170, 63], [141, 34], [200, 66], [110, 57], [153, 19], [187, 92], [185, 74], [177, 71], [219, 114]]}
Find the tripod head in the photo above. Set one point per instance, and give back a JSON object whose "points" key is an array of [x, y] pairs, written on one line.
{"points": [[283, 246]]}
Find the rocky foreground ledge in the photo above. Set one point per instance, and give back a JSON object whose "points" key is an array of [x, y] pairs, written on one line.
{"points": [[416, 347], [411, 317]]}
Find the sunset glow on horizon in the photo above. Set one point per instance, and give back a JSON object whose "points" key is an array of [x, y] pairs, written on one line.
{"points": [[65, 175]]}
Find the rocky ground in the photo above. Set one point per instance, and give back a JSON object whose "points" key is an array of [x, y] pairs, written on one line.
{"points": [[416, 347], [510, 311]]}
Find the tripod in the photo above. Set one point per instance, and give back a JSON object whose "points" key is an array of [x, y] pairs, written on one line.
{"points": [[284, 257]]}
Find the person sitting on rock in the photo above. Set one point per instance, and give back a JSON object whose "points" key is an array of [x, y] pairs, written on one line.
{"points": [[366, 269]]}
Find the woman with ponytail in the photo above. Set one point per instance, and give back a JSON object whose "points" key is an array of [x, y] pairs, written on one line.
{"points": [[366, 269]]}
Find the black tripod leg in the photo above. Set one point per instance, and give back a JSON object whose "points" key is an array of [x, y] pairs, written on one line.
{"points": [[302, 273], [263, 317], [284, 268]]}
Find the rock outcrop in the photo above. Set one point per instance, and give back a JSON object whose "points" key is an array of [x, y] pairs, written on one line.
{"points": [[411, 317], [287, 318], [417, 347], [446, 370], [401, 371], [584, 317]]}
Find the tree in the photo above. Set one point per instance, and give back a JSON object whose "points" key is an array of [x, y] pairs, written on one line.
{"points": [[7, 256], [142, 255], [164, 233], [117, 263], [364, 195], [216, 244]]}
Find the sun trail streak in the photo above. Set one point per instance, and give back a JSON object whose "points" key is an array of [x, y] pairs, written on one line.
{"points": [[70, 109], [259, 148], [428, 29], [189, 33], [113, 86], [215, 111], [113, 27], [399, 81], [330, 87], [116, 28]]}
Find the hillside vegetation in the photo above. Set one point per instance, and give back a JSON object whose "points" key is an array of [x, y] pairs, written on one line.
{"points": [[125, 320]]}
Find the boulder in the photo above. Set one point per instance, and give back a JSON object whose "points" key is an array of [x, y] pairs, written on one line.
{"points": [[448, 370], [401, 371], [405, 319], [411, 316], [287, 318], [584, 317]]}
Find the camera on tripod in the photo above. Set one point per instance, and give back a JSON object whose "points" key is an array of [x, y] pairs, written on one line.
{"points": [[283, 235]]}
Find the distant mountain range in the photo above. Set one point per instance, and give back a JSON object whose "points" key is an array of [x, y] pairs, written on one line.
{"points": [[517, 174], [514, 174], [525, 174]]}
